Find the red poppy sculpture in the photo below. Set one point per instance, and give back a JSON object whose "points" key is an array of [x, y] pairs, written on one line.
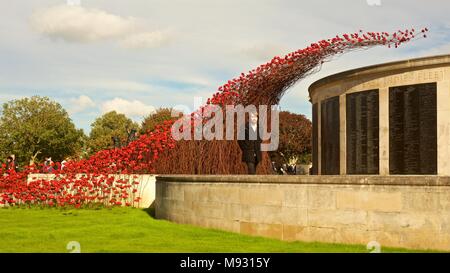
{"points": [[109, 178]]}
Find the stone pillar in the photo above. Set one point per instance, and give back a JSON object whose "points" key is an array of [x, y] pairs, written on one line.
{"points": [[342, 134], [443, 127], [319, 138], [384, 130]]}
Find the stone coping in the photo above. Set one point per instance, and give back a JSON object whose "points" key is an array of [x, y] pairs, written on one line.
{"points": [[424, 62], [403, 180]]}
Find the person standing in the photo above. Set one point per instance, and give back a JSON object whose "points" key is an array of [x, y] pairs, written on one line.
{"points": [[48, 165], [11, 164], [251, 145], [63, 163], [132, 136]]}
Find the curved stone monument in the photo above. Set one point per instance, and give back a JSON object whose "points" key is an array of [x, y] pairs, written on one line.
{"points": [[386, 119]]}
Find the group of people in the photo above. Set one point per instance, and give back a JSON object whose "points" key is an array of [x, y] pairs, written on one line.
{"points": [[284, 169], [47, 167]]}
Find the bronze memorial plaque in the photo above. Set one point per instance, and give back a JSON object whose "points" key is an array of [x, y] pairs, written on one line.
{"points": [[362, 132], [330, 136], [413, 129]]}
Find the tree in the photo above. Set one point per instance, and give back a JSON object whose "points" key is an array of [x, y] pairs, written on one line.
{"points": [[158, 117], [37, 127], [109, 125], [295, 139]]}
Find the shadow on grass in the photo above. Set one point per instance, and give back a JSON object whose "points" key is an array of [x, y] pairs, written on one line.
{"points": [[151, 210]]}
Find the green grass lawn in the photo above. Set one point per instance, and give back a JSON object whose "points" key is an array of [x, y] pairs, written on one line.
{"points": [[132, 230]]}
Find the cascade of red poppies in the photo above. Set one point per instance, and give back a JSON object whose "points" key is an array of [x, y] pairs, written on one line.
{"points": [[95, 181]]}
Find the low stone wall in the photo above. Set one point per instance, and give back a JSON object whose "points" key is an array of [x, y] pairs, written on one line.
{"points": [[146, 187], [395, 211]]}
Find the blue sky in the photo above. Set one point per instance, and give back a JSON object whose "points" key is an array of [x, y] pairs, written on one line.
{"points": [[136, 55]]}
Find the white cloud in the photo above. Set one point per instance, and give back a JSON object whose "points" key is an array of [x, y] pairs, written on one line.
{"points": [[146, 40], [80, 104], [74, 23], [133, 108], [79, 24]]}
